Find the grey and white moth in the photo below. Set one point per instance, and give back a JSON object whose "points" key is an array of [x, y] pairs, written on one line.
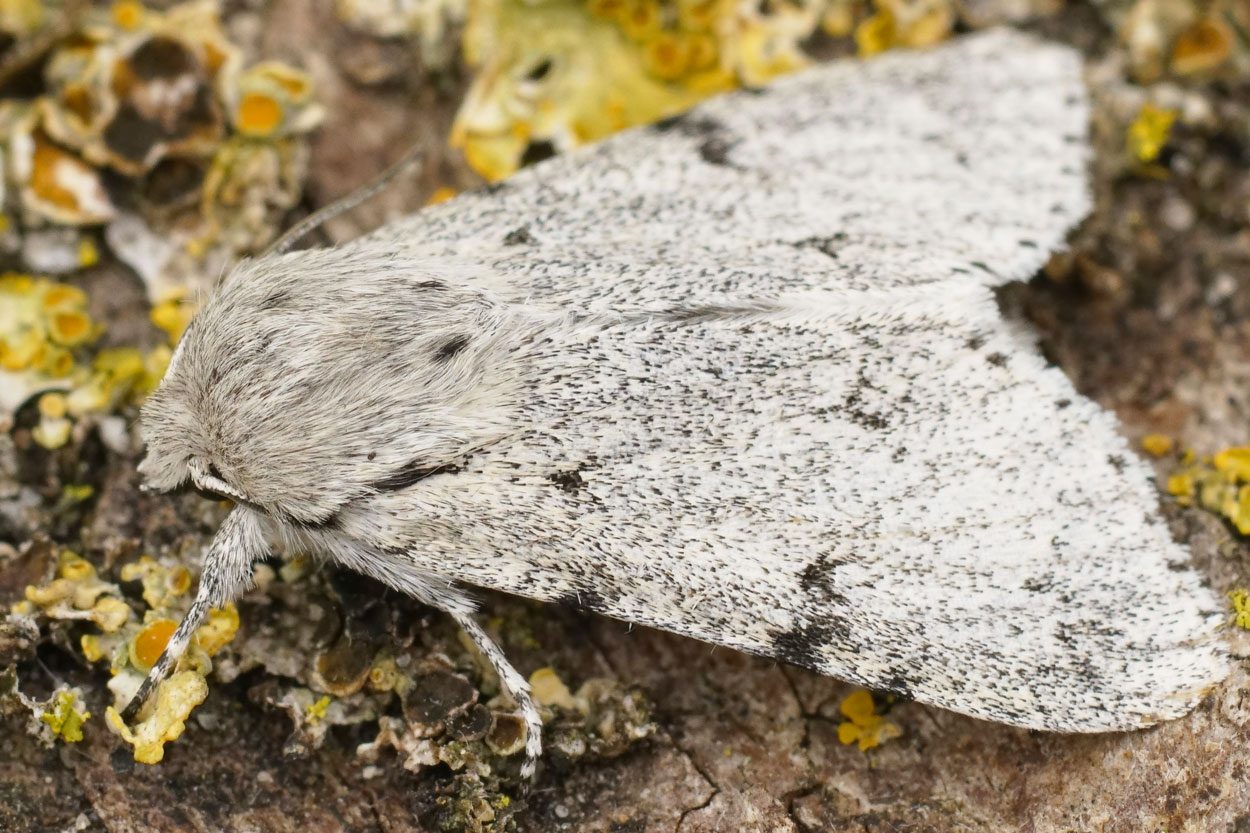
{"points": [[740, 376]]}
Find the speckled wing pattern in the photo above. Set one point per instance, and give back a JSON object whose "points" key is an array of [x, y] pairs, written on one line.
{"points": [[789, 419]]}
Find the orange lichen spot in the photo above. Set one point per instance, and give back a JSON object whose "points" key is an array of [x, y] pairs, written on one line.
{"points": [[69, 328], [149, 643], [128, 14], [863, 726], [258, 115], [1203, 47], [1157, 445], [666, 56], [1234, 462], [46, 172], [441, 194], [1149, 132]]}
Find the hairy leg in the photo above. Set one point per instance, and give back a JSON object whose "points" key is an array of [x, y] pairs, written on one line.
{"points": [[227, 573], [395, 571]]}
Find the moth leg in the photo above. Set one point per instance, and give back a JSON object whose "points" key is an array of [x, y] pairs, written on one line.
{"points": [[514, 685], [227, 572], [435, 592]]}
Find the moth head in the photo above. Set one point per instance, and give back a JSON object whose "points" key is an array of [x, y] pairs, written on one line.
{"points": [[180, 454]]}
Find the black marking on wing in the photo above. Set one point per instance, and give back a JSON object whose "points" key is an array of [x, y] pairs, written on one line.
{"points": [[519, 237], [583, 600], [802, 645], [715, 139], [827, 246], [820, 581], [409, 475], [568, 481]]}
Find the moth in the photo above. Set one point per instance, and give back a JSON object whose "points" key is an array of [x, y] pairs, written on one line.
{"points": [[739, 375]]}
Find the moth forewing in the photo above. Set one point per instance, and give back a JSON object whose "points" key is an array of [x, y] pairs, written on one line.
{"points": [[738, 375]]}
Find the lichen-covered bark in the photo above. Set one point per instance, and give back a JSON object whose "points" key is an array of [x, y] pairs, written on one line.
{"points": [[1150, 315]]}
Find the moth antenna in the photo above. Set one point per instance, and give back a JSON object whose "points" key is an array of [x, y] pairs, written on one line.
{"points": [[173, 652], [227, 572], [413, 156]]}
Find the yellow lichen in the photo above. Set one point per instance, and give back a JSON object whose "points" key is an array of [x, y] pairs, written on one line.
{"points": [[173, 315], [272, 99], [1203, 47], [92, 647], [316, 712], [568, 72], [148, 644], [218, 630], [78, 593], [128, 14], [1240, 600], [1235, 462], [904, 23], [1149, 132], [174, 701], [64, 717], [1220, 485], [386, 676], [1157, 445], [162, 584], [549, 690], [863, 726], [88, 253], [441, 194]]}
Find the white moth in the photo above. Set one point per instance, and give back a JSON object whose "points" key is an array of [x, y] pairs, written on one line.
{"points": [[740, 376]]}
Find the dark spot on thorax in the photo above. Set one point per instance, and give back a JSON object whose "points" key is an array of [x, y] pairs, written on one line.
{"points": [[451, 348]]}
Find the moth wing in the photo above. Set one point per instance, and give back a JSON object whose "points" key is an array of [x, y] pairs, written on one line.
{"points": [[776, 408]]}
